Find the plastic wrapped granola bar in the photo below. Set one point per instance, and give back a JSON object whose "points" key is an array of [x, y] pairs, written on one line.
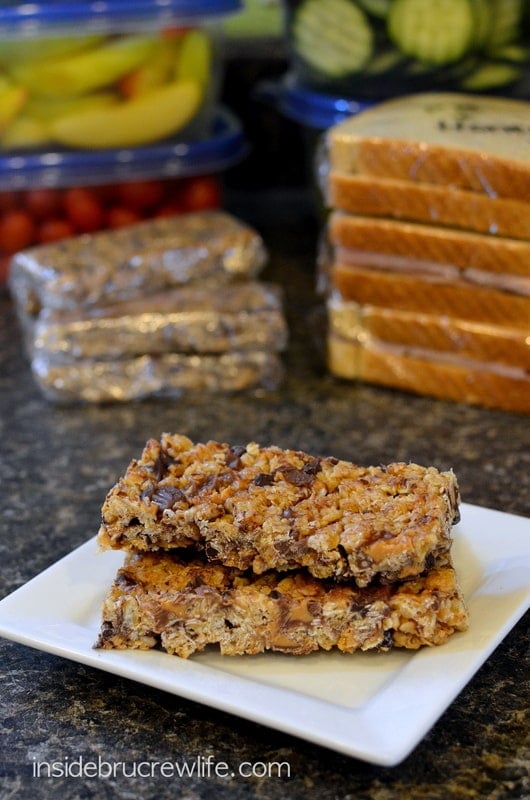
{"points": [[168, 375], [240, 316], [114, 266]]}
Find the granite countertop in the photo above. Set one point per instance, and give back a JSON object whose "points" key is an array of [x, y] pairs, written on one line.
{"points": [[56, 465]]}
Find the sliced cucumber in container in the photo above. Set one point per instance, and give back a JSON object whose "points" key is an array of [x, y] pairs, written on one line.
{"points": [[489, 76], [435, 32], [333, 37], [507, 19], [377, 8]]}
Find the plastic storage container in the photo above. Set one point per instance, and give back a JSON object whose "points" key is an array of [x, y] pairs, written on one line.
{"points": [[92, 75], [381, 48], [53, 195]]}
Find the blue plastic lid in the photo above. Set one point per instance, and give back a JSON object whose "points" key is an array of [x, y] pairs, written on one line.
{"points": [[310, 108], [82, 16], [226, 146]]}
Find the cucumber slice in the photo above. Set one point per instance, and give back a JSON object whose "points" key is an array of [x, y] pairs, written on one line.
{"points": [[491, 76], [377, 8], [482, 11], [333, 37], [436, 32], [507, 17]]}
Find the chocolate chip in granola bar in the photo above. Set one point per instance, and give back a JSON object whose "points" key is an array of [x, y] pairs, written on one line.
{"points": [[297, 476], [313, 466], [233, 456], [264, 479], [166, 497], [161, 464]]}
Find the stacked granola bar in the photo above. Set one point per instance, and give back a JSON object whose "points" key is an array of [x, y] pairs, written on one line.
{"points": [[162, 307], [259, 548]]}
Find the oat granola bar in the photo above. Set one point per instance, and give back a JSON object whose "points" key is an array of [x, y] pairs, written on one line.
{"points": [[160, 600], [266, 508]]}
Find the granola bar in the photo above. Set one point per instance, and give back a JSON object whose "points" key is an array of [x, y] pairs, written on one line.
{"points": [[160, 600], [267, 508]]}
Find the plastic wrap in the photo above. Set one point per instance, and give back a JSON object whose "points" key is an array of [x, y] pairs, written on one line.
{"points": [[498, 262], [162, 308], [427, 203], [454, 140], [113, 266], [241, 316], [430, 334], [425, 292], [168, 375], [429, 373]]}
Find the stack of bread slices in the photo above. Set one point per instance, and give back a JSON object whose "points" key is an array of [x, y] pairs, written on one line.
{"points": [[428, 271], [254, 548]]}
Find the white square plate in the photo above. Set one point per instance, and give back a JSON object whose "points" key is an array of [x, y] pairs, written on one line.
{"points": [[374, 706]]}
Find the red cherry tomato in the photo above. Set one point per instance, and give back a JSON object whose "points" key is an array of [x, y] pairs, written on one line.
{"points": [[169, 209], [83, 209], [119, 217], [17, 231], [4, 269], [201, 193], [51, 230], [9, 201], [42, 203], [141, 195]]}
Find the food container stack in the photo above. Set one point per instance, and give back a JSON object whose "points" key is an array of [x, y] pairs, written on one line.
{"points": [[164, 307], [427, 273], [95, 97]]}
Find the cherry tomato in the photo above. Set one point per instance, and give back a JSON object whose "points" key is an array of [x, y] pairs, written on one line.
{"points": [[83, 209], [51, 230], [169, 209], [17, 231], [141, 195], [201, 193], [9, 201], [42, 203], [119, 217], [4, 269]]}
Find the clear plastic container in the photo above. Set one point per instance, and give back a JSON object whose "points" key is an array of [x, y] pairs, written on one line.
{"points": [[382, 48], [50, 196], [93, 75]]}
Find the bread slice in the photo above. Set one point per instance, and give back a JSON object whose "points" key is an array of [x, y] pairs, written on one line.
{"points": [[429, 203], [265, 508], [161, 600], [468, 141], [488, 258], [435, 333], [430, 373], [422, 292]]}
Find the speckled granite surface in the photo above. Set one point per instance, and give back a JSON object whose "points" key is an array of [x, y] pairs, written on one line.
{"points": [[56, 464]]}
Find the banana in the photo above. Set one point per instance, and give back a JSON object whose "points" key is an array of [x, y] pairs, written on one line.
{"points": [[48, 108], [152, 73], [12, 100], [15, 51], [144, 119], [86, 71], [25, 133], [194, 59]]}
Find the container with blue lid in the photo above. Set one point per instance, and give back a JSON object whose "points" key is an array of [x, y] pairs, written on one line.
{"points": [[46, 196], [108, 73]]}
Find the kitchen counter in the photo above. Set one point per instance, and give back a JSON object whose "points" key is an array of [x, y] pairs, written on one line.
{"points": [[56, 464]]}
